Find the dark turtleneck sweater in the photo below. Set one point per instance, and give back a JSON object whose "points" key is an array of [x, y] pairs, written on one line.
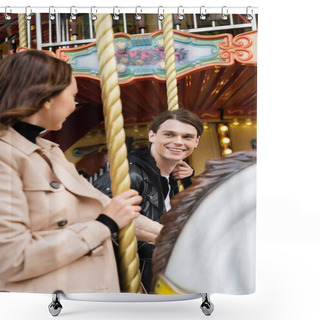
{"points": [[30, 132]]}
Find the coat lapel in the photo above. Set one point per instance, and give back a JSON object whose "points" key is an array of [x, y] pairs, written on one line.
{"points": [[66, 172]]}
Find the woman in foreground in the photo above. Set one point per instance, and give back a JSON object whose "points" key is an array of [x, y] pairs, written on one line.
{"points": [[55, 228]]}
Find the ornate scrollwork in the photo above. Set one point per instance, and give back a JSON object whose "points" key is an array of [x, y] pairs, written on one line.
{"points": [[239, 49]]}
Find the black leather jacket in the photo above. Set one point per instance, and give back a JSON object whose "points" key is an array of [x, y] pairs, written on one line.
{"points": [[147, 180]]}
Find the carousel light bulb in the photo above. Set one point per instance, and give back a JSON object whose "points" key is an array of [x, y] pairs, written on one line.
{"points": [[205, 126], [225, 140], [248, 122], [135, 129], [223, 128], [235, 122], [227, 151]]}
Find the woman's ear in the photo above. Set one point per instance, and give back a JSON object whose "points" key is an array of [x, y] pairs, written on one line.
{"points": [[47, 105]]}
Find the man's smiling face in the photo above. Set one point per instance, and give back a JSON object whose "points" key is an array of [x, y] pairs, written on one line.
{"points": [[174, 140]]}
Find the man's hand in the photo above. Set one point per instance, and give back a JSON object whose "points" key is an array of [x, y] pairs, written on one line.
{"points": [[181, 171]]}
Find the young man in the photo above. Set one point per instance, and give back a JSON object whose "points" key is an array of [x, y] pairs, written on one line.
{"points": [[154, 171]]}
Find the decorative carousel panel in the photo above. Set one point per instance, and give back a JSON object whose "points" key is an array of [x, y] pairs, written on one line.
{"points": [[140, 56]]}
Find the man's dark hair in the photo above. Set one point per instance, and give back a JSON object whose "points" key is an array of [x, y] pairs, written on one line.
{"points": [[181, 115]]}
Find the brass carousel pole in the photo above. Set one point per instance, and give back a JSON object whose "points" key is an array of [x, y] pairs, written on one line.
{"points": [[117, 151], [22, 30], [170, 64]]}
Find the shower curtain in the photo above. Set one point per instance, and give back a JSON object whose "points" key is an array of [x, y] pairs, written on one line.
{"points": [[207, 240]]}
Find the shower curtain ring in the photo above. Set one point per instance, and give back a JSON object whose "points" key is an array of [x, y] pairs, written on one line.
{"points": [[160, 15], [6, 15], [73, 13], [203, 13], [28, 13], [138, 16], [224, 13], [180, 12], [249, 16], [92, 15], [116, 14], [52, 12]]}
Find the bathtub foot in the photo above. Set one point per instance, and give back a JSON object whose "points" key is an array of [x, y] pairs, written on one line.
{"points": [[55, 306], [206, 306]]}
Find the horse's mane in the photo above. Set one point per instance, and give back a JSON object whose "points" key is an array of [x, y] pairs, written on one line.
{"points": [[184, 203]]}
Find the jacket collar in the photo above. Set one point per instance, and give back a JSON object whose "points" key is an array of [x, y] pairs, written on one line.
{"points": [[144, 158], [18, 141]]}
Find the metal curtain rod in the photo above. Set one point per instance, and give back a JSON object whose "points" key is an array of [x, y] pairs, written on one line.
{"points": [[134, 10]]}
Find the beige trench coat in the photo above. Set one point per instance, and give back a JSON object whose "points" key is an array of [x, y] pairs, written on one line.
{"points": [[49, 238]]}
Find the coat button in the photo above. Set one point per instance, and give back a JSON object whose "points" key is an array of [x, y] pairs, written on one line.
{"points": [[62, 222], [55, 184]]}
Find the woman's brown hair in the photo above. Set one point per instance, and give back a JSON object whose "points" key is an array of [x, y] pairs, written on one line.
{"points": [[181, 115], [27, 80]]}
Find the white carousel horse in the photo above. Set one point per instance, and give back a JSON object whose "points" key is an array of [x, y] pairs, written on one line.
{"points": [[207, 243]]}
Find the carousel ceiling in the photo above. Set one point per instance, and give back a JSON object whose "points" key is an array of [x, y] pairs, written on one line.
{"points": [[215, 94]]}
